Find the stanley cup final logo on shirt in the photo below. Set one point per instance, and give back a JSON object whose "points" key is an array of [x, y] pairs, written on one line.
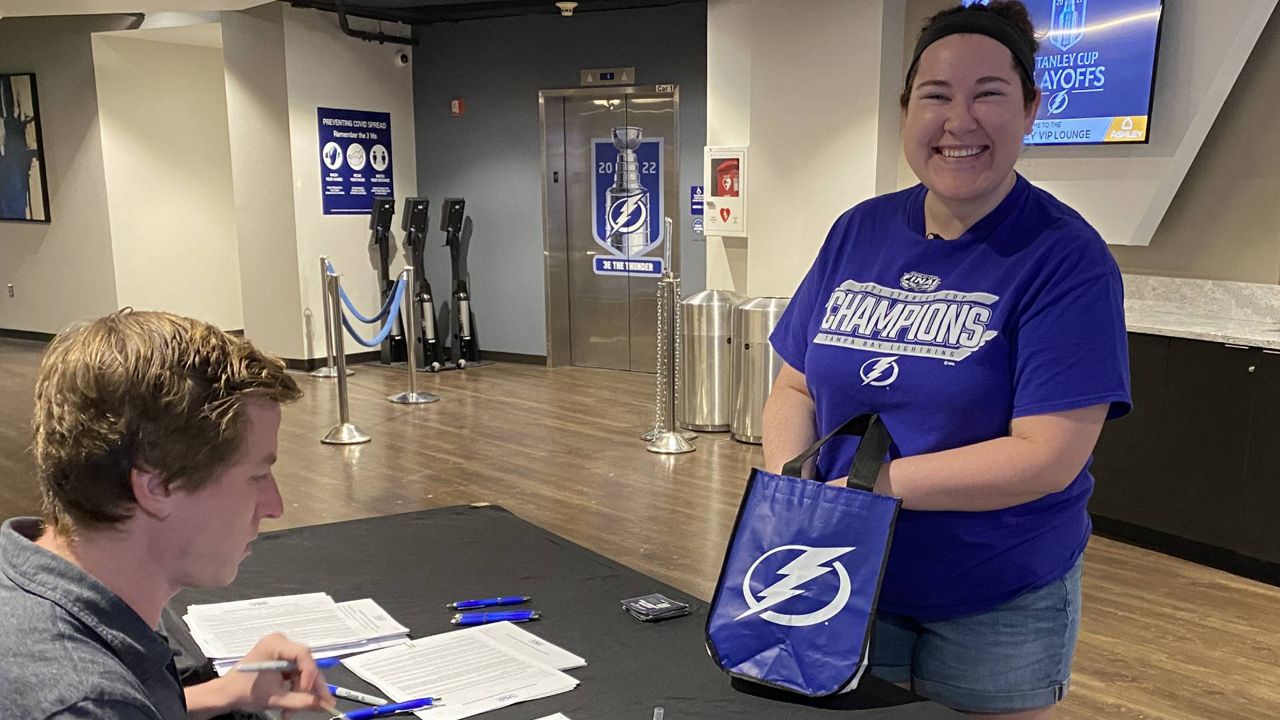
{"points": [[946, 324]]}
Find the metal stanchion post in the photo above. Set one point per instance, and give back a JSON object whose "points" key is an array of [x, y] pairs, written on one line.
{"points": [[328, 370], [345, 432], [667, 438], [412, 397], [660, 388]]}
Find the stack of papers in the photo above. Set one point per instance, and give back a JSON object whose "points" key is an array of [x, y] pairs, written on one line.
{"points": [[226, 631], [471, 671]]}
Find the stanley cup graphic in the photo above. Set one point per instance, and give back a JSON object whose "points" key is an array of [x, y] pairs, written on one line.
{"points": [[627, 202], [1066, 28]]}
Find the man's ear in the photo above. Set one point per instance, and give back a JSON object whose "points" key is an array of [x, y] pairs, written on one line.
{"points": [[153, 495]]}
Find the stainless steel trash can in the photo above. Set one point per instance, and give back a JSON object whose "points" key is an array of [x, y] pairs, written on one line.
{"points": [[705, 370], [755, 364]]}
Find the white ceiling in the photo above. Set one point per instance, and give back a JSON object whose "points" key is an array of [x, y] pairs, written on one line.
{"points": [[17, 8]]}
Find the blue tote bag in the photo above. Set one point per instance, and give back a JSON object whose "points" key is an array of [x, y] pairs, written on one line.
{"points": [[795, 604]]}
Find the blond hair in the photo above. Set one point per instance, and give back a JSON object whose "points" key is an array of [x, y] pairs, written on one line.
{"points": [[141, 389]]}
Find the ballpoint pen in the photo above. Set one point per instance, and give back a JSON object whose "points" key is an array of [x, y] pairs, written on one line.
{"points": [[356, 696], [284, 665], [384, 710], [481, 618], [488, 602]]}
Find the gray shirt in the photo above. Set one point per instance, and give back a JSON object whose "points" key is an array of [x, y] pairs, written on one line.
{"points": [[71, 648]]}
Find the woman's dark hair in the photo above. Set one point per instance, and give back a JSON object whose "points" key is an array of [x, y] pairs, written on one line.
{"points": [[1013, 11]]}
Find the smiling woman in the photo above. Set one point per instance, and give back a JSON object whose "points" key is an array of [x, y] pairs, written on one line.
{"points": [[982, 319]]}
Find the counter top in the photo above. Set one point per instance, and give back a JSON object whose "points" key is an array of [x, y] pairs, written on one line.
{"points": [[1233, 313], [1231, 331]]}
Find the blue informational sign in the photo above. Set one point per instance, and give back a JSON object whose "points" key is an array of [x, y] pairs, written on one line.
{"points": [[695, 199], [627, 208], [355, 160], [1094, 68], [697, 225]]}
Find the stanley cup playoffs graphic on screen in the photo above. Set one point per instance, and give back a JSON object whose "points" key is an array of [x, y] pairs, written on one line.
{"points": [[627, 206]]}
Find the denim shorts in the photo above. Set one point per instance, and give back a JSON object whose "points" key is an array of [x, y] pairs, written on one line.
{"points": [[1014, 658]]}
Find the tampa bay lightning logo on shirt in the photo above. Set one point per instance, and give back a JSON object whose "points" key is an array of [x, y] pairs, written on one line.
{"points": [[880, 371], [801, 578], [946, 324]]}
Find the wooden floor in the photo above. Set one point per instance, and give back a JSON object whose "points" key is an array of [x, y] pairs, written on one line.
{"points": [[1161, 638]]}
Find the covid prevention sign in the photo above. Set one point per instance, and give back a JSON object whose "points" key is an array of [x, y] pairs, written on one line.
{"points": [[355, 160], [626, 206]]}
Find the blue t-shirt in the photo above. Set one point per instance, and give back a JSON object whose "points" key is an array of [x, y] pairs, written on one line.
{"points": [[950, 340]]}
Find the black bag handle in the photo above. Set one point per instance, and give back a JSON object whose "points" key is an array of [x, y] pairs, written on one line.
{"points": [[866, 461]]}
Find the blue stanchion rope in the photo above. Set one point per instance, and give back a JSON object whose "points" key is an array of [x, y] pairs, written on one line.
{"points": [[351, 308], [394, 311]]}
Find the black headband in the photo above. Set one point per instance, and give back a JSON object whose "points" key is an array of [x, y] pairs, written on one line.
{"points": [[978, 22]]}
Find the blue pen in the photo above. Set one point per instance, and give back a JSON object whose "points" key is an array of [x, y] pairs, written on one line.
{"points": [[488, 602], [284, 665], [480, 618], [392, 709]]}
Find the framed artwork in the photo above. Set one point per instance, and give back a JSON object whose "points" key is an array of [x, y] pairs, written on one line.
{"points": [[24, 191]]}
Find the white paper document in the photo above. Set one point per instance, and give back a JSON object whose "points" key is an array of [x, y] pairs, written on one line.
{"points": [[470, 672], [521, 641], [226, 631], [557, 716]]}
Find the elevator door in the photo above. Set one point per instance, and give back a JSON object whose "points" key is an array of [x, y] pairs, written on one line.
{"points": [[619, 165]]}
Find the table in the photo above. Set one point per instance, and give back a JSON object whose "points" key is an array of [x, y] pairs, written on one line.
{"points": [[414, 563]]}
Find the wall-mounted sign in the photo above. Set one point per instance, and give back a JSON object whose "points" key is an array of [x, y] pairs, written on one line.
{"points": [[725, 176], [355, 160]]}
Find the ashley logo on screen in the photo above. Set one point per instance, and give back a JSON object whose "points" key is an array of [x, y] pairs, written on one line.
{"points": [[801, 574], [945, 324]]}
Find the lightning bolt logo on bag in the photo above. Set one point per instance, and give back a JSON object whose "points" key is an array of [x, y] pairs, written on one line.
{"points": [[812, 564]]}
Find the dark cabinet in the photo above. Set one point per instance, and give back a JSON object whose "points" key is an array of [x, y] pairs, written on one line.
{"points": [[1124, 478], [1198, 459], [1260, 521], [1206, 426]]}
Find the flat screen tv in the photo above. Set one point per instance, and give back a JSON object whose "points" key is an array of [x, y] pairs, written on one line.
{"points": [[1095, 69]]}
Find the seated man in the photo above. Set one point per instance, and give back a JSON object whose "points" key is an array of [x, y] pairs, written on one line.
{"points": [[154, 440]]}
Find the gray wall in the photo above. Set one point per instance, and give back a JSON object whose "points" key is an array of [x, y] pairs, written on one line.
{"points": [[492, 155], [1224, 223], [62, 271]]}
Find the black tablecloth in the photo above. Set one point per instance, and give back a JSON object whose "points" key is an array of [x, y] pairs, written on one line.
{"points": [[413, 564]]}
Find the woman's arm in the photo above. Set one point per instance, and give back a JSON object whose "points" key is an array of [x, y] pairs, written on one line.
{"points": [[789, 425], [1042, 455]]}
